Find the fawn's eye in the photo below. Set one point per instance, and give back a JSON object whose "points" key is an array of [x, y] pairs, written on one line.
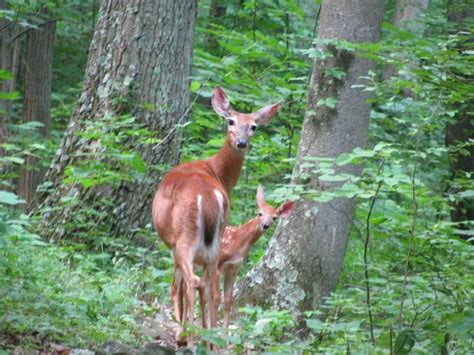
{"points": [[253, 128], [274, 218], [231, 122], [260, 214]]}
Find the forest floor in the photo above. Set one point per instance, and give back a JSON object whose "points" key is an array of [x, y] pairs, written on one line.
{"points": [[160, 327]]}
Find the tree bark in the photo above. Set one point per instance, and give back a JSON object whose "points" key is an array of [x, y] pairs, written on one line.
{"points": [[461, 129], [5, 106], [139, 63], [10, 62], [37, 100], [305, 255], [407, 12], [217, 11]]}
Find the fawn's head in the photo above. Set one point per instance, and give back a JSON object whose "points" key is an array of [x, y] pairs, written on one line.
{"points": [[241, 126], [267, 214]]}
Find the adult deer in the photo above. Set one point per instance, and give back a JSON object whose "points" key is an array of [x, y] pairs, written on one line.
{"points": [[237, 241], [191, 207]]}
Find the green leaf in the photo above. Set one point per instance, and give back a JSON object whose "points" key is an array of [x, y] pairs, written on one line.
{"points": [[329, 102], [10, 198], [315, 324], [5, 75], [467, 194], [9, 95], [337, 73], [332, 178], [16, 160], [404, 342]]}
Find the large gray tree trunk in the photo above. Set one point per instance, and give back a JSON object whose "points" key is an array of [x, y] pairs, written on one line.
{"points": [[139, 63], [461, 129], [37, 100], [305, 255]]}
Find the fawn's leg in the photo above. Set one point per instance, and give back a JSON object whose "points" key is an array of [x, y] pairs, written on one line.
{"points": [[229, 280]]}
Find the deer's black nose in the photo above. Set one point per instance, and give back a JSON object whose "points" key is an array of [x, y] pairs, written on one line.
{"points": [[241, 143], [265, 226]]}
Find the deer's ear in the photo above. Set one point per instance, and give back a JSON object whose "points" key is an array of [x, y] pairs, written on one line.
{"points": [[264, 115], [285, 209], [260, 196], [220, 102]]}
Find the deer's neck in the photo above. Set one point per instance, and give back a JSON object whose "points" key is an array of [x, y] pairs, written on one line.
{"points": [[227, 164], [250, 231]]}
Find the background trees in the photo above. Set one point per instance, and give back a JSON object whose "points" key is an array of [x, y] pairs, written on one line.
{"points": [[37, 98], [460, 129], [406, 278], [137, 77]]}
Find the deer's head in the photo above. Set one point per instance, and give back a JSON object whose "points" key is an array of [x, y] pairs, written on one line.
{"points": [[241, 126], [267, 214]]}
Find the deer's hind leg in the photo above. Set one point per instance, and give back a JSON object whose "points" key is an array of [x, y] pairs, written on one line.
{"points": [[177, 295], [184, 257]]}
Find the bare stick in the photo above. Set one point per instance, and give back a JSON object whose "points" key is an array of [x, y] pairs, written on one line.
{"points": [[366, 249]]}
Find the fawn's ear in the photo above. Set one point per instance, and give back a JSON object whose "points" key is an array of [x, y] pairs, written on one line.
{"points": [[264, 115], [220, 102], [285, 209], [260, 197]]}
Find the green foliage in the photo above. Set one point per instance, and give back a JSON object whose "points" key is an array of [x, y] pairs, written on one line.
{"points": [[113, 156], [70, 295], [91, 288], [78, 299]]}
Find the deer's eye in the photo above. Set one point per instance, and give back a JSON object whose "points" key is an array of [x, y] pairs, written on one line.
{"points": [[274, 218], [253, 128], [260, 214], [231, 122]]}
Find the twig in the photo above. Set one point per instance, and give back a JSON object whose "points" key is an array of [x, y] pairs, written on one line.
{"points": [[441, 278], [185, 114], [30, 29], [391, 338], [366, 248], [415, 210], [417, 313], [410, 245]]}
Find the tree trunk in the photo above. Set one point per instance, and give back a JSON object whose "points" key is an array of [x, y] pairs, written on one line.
{"points": [[461, 129], [5, 106], [407, 12], [7, 61], [217, 10], [37, 100], [10, 62], [305, 255], [139, 63]]}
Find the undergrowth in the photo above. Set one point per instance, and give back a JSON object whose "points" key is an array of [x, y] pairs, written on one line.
{"points": [[82, 299]]}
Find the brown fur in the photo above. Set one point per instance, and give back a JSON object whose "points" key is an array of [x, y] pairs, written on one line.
{"points": [[236, 244], [175, 210]]}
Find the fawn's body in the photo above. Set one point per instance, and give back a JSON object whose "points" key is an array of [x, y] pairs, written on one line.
{"points": [[236, 244]]}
